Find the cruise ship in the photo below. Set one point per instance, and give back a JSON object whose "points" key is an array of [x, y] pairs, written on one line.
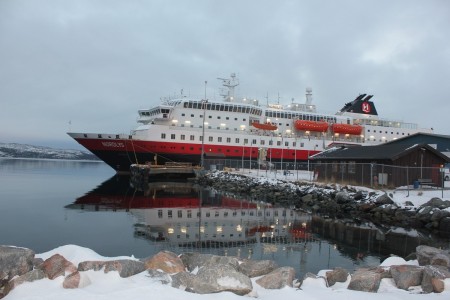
{"points": [[241, 132]]}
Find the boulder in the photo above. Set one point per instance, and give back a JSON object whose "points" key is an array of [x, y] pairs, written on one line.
{"points": [[125, 267], [406, 276], [444, 226], [95, 265], [56, 266], [15, 261], [37, 262], [439, 214], [365, 281], [253, 268], [425, 254], [166, 261], [278, 278], [342, 197], [358, 196], [336, 275], [425, 213], [182, 280], [438, 285], [72, 280], [384, 199], [440, 259], [76, 280], [308, 199], [220, 278], [192, 260], [433, 279], [437, 203], [366, 207], [160, 276], [27, 277]]}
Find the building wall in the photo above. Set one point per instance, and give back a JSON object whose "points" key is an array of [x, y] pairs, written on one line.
{"points": [[374, 173]]}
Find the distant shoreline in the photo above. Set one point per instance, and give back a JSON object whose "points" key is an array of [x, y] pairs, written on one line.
{"points": [[52, 159]]}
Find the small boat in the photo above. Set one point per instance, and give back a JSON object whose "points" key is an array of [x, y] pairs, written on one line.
{"points": [[320, 126], [265, 126], [347, 129]]}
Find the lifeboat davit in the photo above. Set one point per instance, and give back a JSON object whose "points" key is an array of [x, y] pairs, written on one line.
{"points": [[320, 126], [265, 126], [347, 129]]}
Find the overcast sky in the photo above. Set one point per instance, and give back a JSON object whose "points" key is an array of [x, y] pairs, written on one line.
{"points": [[89, 65]]}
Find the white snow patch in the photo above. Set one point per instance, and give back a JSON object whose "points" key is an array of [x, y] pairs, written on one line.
{"points": [[228, 281]]}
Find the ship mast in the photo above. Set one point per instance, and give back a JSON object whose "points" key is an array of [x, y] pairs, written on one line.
{"points": [[308, 96], [230, 83]]}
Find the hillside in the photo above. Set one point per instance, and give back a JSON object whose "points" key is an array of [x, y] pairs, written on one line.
{"points": [[13, 150]]}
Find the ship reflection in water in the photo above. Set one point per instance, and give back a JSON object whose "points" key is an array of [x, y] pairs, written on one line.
{"points": [[179, 216], [179, 213]]}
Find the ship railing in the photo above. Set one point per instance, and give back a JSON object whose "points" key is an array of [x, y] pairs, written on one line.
{"points": [[388, 123]]}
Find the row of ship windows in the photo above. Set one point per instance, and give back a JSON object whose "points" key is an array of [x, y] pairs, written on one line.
{"points": [[223, 107], [154, 112], [228, 140], [300, 116], [256, 111], [225, 214], [368, 130], [206, 235], [218, 117]]}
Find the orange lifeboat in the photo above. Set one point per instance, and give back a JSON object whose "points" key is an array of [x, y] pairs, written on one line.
{"points": [[347, 129], [265, 126], [319, 126]]}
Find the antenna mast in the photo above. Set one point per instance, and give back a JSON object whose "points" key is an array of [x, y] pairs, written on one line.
{"points": [[230, 83], [308, 96]]}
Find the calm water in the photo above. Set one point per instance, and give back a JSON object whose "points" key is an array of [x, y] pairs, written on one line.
{"points": [[46, 204]]}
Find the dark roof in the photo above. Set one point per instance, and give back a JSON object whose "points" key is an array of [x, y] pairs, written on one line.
{"points": [[418, 135], [379, 152]]}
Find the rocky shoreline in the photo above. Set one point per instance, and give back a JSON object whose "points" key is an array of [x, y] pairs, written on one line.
{"points": [[335, 201], [207, 274]]}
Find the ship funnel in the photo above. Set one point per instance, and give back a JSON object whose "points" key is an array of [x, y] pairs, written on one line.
{"points": [[359, 98], [368, 98]]}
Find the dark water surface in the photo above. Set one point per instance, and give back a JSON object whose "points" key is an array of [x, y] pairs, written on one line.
{"points": [[45, 204]]}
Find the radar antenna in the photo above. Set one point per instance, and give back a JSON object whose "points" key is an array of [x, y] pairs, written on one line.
{"points": [[230, 83]]}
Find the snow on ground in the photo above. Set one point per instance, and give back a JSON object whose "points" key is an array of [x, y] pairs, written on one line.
{"points": [[419, 196], [111, 287]]}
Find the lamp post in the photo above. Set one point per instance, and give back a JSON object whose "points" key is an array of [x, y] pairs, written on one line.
{"points": [[308, 164], [250, 166], [282, 153], [310, 177], [270, 158], [421, 162], [295, 158], [204, 101], [243, 149]]}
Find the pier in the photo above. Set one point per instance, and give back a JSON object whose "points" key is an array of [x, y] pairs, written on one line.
{"points": [[141, 173]]}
